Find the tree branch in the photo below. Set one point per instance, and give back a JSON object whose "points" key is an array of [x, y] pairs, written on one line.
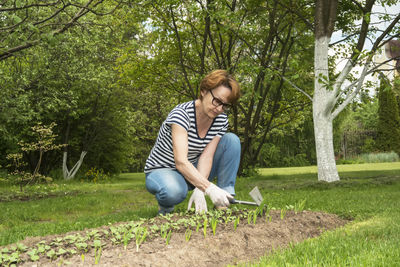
{"points": [[350, 96], [82, 11], [178, 39], [29, 6]]}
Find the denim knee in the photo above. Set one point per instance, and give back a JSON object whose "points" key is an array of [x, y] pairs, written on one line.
{"points": [[171, 195], [232, 141], [169, 188]]}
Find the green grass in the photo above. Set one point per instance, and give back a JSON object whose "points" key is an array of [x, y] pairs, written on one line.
{"points": [[90, 205], [367, 193]]}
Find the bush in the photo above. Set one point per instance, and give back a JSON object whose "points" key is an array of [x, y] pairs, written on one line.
{"points": [[370, 158], [379, 157], [96, 175], [296, 161]]}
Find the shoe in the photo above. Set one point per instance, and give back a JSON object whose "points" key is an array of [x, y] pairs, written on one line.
{"points": [[163, 210]]}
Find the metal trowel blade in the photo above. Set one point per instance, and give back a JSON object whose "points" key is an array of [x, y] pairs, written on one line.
{"points": [[256, 195]]}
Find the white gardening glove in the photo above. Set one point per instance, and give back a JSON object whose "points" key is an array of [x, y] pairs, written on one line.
{"points": [[199, 201], [218, 196]]}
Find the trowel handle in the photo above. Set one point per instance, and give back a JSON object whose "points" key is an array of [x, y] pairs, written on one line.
{"points": [[234, 201]]}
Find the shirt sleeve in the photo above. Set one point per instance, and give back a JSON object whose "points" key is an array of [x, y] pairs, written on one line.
{"points": [[224, 129], [178, 116]]}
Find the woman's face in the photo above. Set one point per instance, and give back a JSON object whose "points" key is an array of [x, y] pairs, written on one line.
{"points": [[215, 101]]}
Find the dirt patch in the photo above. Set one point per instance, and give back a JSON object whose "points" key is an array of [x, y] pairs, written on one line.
{"points": [[35, 196], [245, 244]]}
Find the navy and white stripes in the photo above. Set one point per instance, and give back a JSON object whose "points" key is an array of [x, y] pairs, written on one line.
{"points": [[162, 156]]}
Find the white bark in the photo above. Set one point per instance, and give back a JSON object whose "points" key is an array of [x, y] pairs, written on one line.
{"points": [[70, 174], [323, 102]]}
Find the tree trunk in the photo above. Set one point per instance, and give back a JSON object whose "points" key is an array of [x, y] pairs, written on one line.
{"points": [[323, 103], [327, 170], [70, 174]]}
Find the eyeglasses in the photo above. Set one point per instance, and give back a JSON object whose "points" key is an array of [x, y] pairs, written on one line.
{"points": [[216, 102]]}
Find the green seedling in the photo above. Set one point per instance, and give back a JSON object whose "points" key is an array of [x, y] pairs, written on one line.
{"points": [[236, 223], [140, 235], [298, 207], [283, 213], [255, 214], [81, 246], [97, 255], [268, 217], [249, 217], [214, 222], [198, 226], [51, 254], [164, 230], [154, 228], [127, 237], [33, 254], [188, 234], [205, 227], [97, 251], [61, 252], [83, 258], [10, 260], [228, 215], [21, 247], [71, 239], [168, 237], [61, 262], [93, 233]]}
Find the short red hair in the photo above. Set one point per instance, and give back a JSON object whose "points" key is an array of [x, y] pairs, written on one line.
{"points": [[217, 78]]}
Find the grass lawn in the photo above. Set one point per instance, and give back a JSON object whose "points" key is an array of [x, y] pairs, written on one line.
{"points": [[367, 193]]}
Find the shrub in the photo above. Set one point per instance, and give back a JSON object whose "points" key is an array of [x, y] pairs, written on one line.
{"points": [[296, 161], [379, 157], [44, 140], [388, 137], [370, 158], [96, 175]]}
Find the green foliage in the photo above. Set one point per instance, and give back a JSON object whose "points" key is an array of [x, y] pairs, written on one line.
{"points": [[43, 141], [70, 82], [295, 148], [388, 137], [379, 157], [25, 24], [94, 175], [183, 41], [370, 158]]}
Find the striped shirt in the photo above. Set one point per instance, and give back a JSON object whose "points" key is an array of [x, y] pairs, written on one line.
{"points": [[162, 156]]}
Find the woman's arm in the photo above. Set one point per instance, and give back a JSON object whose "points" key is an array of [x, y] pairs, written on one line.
{"points": [[197, 177], [204, 164]]}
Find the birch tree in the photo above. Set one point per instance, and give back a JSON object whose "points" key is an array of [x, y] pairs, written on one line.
{"points": [[332, 95]]}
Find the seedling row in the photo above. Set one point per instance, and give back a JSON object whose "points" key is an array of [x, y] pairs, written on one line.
{"points": [[94, 241]]}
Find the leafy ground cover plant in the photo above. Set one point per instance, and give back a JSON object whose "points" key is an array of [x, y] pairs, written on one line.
{"points": [[95, 240]]}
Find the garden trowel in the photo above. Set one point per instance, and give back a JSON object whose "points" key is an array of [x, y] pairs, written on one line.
{"points": [[255, 195]]}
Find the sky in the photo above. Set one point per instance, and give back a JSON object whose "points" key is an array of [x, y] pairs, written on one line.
{"points": [[374, 19]]}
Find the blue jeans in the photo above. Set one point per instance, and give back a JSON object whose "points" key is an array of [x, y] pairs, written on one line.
{"points": [[171, 188]]}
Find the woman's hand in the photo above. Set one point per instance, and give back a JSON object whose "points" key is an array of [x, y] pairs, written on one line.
{"points": [[218, 196], [199, 200]]}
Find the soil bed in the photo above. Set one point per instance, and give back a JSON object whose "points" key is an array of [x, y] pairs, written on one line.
{"points": [[228, 246]]}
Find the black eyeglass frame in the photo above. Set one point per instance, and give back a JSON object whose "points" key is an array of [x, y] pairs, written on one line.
{"points": [[217, 102]]}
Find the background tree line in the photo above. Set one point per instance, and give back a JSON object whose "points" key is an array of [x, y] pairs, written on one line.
{"points": [[108, 72]]}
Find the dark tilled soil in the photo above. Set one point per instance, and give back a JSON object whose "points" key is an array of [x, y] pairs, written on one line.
{"points": [[246, 244]]}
